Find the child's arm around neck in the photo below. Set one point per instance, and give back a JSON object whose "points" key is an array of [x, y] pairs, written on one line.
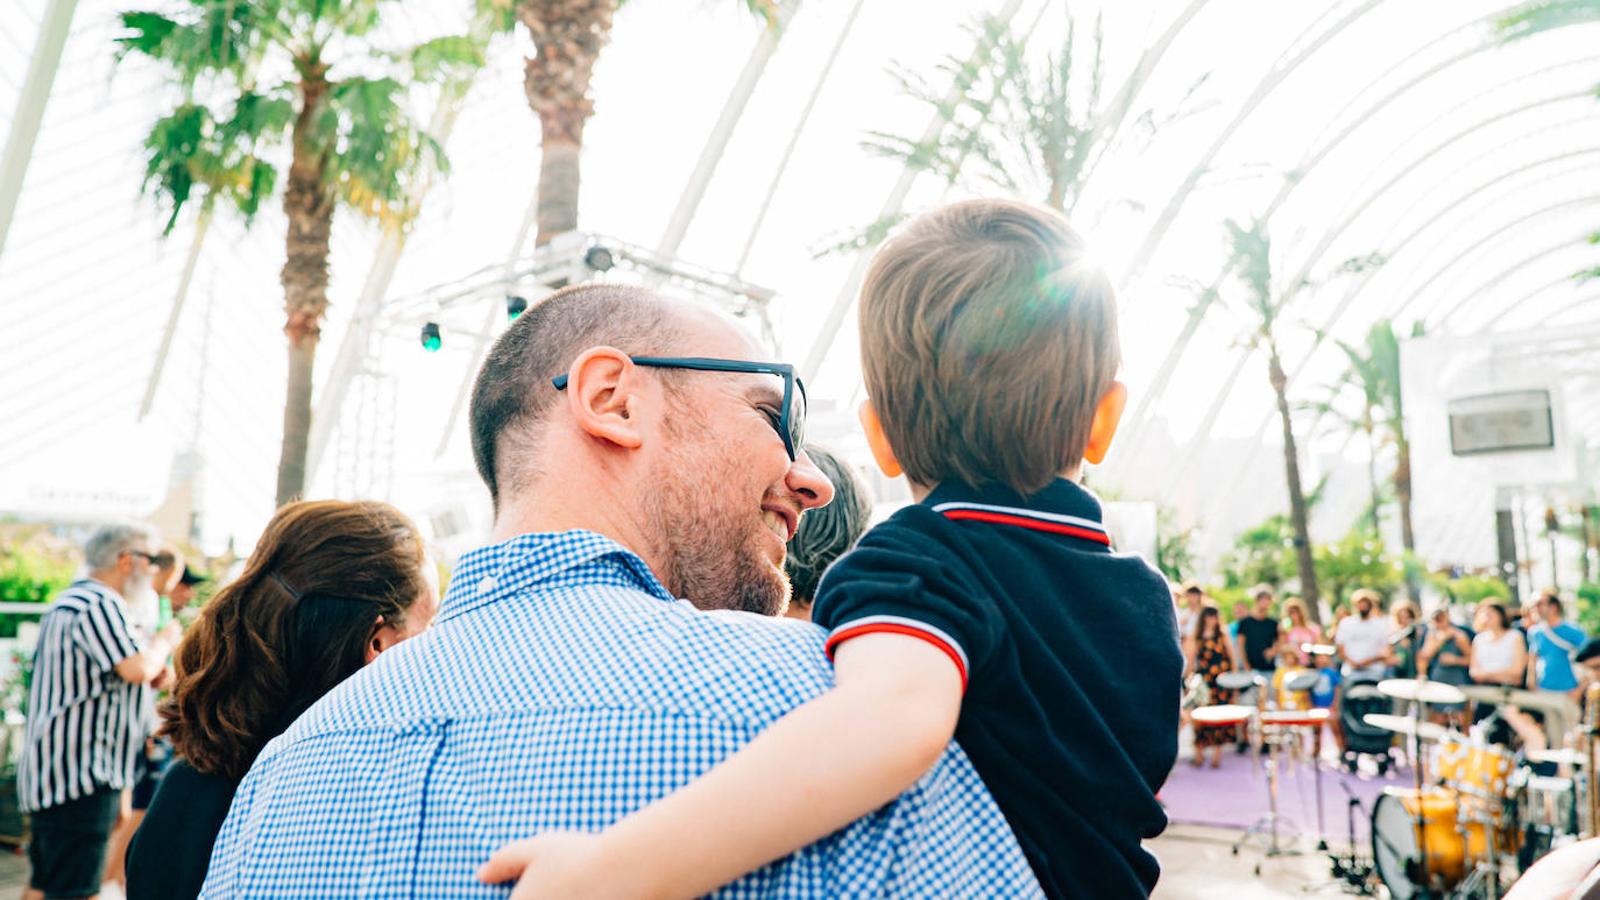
{"points": [[825, 764]]}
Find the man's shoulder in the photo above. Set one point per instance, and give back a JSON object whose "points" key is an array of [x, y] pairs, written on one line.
{"points": [[578, 648]]}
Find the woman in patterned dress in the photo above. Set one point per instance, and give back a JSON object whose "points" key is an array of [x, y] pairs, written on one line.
{"points": [[1207, 650]]}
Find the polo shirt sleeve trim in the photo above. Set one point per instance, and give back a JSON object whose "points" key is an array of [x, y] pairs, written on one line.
{"points": [[900, 625]]}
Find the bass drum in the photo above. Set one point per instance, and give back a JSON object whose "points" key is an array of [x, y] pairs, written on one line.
{"points": [[1395, 838]]}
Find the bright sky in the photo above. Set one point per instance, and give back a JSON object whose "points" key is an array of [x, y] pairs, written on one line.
{"points": [[1475, 178]]}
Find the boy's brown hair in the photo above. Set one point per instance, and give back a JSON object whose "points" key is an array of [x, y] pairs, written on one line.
{"points": [[987, 341]]}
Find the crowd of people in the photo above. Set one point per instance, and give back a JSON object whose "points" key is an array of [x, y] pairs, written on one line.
{"points": [[614, 672], [1535, 648]]}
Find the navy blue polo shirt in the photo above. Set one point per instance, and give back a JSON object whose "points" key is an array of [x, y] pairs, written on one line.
{"points": [[1069, 657]]}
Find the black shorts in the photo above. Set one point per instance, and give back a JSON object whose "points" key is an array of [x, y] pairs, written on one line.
{"points": [[67, 849]]}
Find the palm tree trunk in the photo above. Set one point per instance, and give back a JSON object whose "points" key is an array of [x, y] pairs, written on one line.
{"points": [[1298, 513], [568, 36], [558, 184], [308, 205], [1372, 472], [1402, 491]]}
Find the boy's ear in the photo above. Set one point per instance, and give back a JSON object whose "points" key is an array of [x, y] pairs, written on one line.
{"points": [[1107, 416], [882, 453]]}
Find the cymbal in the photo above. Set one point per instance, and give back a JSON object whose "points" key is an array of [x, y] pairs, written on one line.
{"points": [[1236, 681], [1421, 690], [1427, 731], [1542, 701], [1559, 757], [1319, 649], [1305, 681]]}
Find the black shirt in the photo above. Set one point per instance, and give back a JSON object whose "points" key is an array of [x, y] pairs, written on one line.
{"points": [[1069, 653], [1259, 635], [172, 848]]}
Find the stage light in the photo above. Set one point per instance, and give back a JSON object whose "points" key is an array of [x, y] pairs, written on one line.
{"points": [[431, 341], [598, 258], [515, 306]]}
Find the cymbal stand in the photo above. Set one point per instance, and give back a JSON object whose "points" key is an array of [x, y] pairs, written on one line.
{"points": [[1268, 824], [1416, 768]]}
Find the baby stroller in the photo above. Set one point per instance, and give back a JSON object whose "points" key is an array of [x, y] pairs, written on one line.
{"points": [[1360, 697]]}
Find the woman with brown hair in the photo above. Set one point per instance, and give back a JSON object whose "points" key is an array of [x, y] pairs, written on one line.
{"points": [[330, 585], [1208, 654]]}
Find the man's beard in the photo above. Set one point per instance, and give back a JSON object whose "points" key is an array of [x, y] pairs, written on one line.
{"points": [[711, 561]]}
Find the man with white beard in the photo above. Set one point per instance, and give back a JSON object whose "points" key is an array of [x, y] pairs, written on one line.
{"points": [[92, 674]]}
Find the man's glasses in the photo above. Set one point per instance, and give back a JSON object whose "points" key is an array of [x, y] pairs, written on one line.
{"points": [[789, 422], [150, 558]]}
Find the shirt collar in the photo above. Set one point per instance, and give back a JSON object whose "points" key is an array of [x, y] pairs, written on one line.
{"points": [[88, 579], [501, 570], [1068, 507]]}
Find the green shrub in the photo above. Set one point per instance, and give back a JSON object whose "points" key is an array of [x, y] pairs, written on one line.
{"points": [[34, 567]]}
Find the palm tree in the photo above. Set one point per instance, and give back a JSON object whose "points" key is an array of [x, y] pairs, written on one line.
{"points": [[1537, 17], [1250, 256], [568, 36], [1028, 128], [256, 76], [1374, 374]]}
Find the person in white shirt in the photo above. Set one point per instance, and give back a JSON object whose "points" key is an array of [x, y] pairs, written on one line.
{"points": [[1363, 639], [1190, 600], [1498, 653], [1500, 657]]}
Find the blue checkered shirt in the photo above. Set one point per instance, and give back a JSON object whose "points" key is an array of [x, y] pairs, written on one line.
{"points": [[561, 688]]}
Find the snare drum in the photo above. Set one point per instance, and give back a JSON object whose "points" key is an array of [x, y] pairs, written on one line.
{"points": [[1548, 808], [1477, 770], [1222, 714], [1286, 718]]}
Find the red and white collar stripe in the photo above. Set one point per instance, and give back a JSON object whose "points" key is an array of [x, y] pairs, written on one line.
{"points": [[1072, 526]]}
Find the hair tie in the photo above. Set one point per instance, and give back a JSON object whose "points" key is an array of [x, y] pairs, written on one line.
{"points": [[281, 583]]}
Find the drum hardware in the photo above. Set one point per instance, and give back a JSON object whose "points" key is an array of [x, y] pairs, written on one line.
{"points": [[1351, 868], [1570, 758], [1591, 746]]}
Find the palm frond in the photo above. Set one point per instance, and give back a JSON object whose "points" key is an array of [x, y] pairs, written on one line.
{"points": [[374, 146], [444, 56], [1545, 15]]}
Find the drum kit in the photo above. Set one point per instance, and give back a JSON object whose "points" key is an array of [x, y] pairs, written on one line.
{"points": [[1484, 810], [1476, 810]]}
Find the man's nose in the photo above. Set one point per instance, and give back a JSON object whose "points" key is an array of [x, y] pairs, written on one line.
{"points": [[807, 482]]}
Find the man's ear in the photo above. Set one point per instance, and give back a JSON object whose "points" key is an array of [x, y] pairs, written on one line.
{"points": [[1107, 416], [878, 442], [602, 397]]}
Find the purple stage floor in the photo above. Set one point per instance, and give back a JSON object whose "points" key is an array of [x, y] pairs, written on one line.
{"points": [[1234, 796]]}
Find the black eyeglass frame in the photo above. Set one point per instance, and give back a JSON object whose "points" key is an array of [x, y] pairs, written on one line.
{"points": [[790, 426]]}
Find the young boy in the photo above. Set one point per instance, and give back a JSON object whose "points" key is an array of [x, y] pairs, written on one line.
{"points": [[994, 608]]}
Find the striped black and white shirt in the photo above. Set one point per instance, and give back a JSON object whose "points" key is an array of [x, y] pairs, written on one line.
{"points": [[85, 722]]}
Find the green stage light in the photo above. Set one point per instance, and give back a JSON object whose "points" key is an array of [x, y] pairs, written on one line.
{"points": [[431, 341]]}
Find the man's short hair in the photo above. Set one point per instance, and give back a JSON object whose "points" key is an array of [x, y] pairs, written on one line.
{"points": [[513, 392], [108, 542], [1261, 590], [1553, 601], [987, 341], [825, 534], [1190, 587]]}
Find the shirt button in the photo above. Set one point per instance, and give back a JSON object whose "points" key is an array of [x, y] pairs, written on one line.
{"points": [[486, 585]]}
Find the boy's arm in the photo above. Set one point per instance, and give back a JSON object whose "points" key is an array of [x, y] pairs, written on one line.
{"points": [[812, 772]]}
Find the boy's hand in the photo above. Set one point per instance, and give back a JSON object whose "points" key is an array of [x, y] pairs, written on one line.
{"points": [[555, 864]]}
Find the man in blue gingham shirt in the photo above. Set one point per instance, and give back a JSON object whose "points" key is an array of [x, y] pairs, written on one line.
{"points": [[562, 685]]}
